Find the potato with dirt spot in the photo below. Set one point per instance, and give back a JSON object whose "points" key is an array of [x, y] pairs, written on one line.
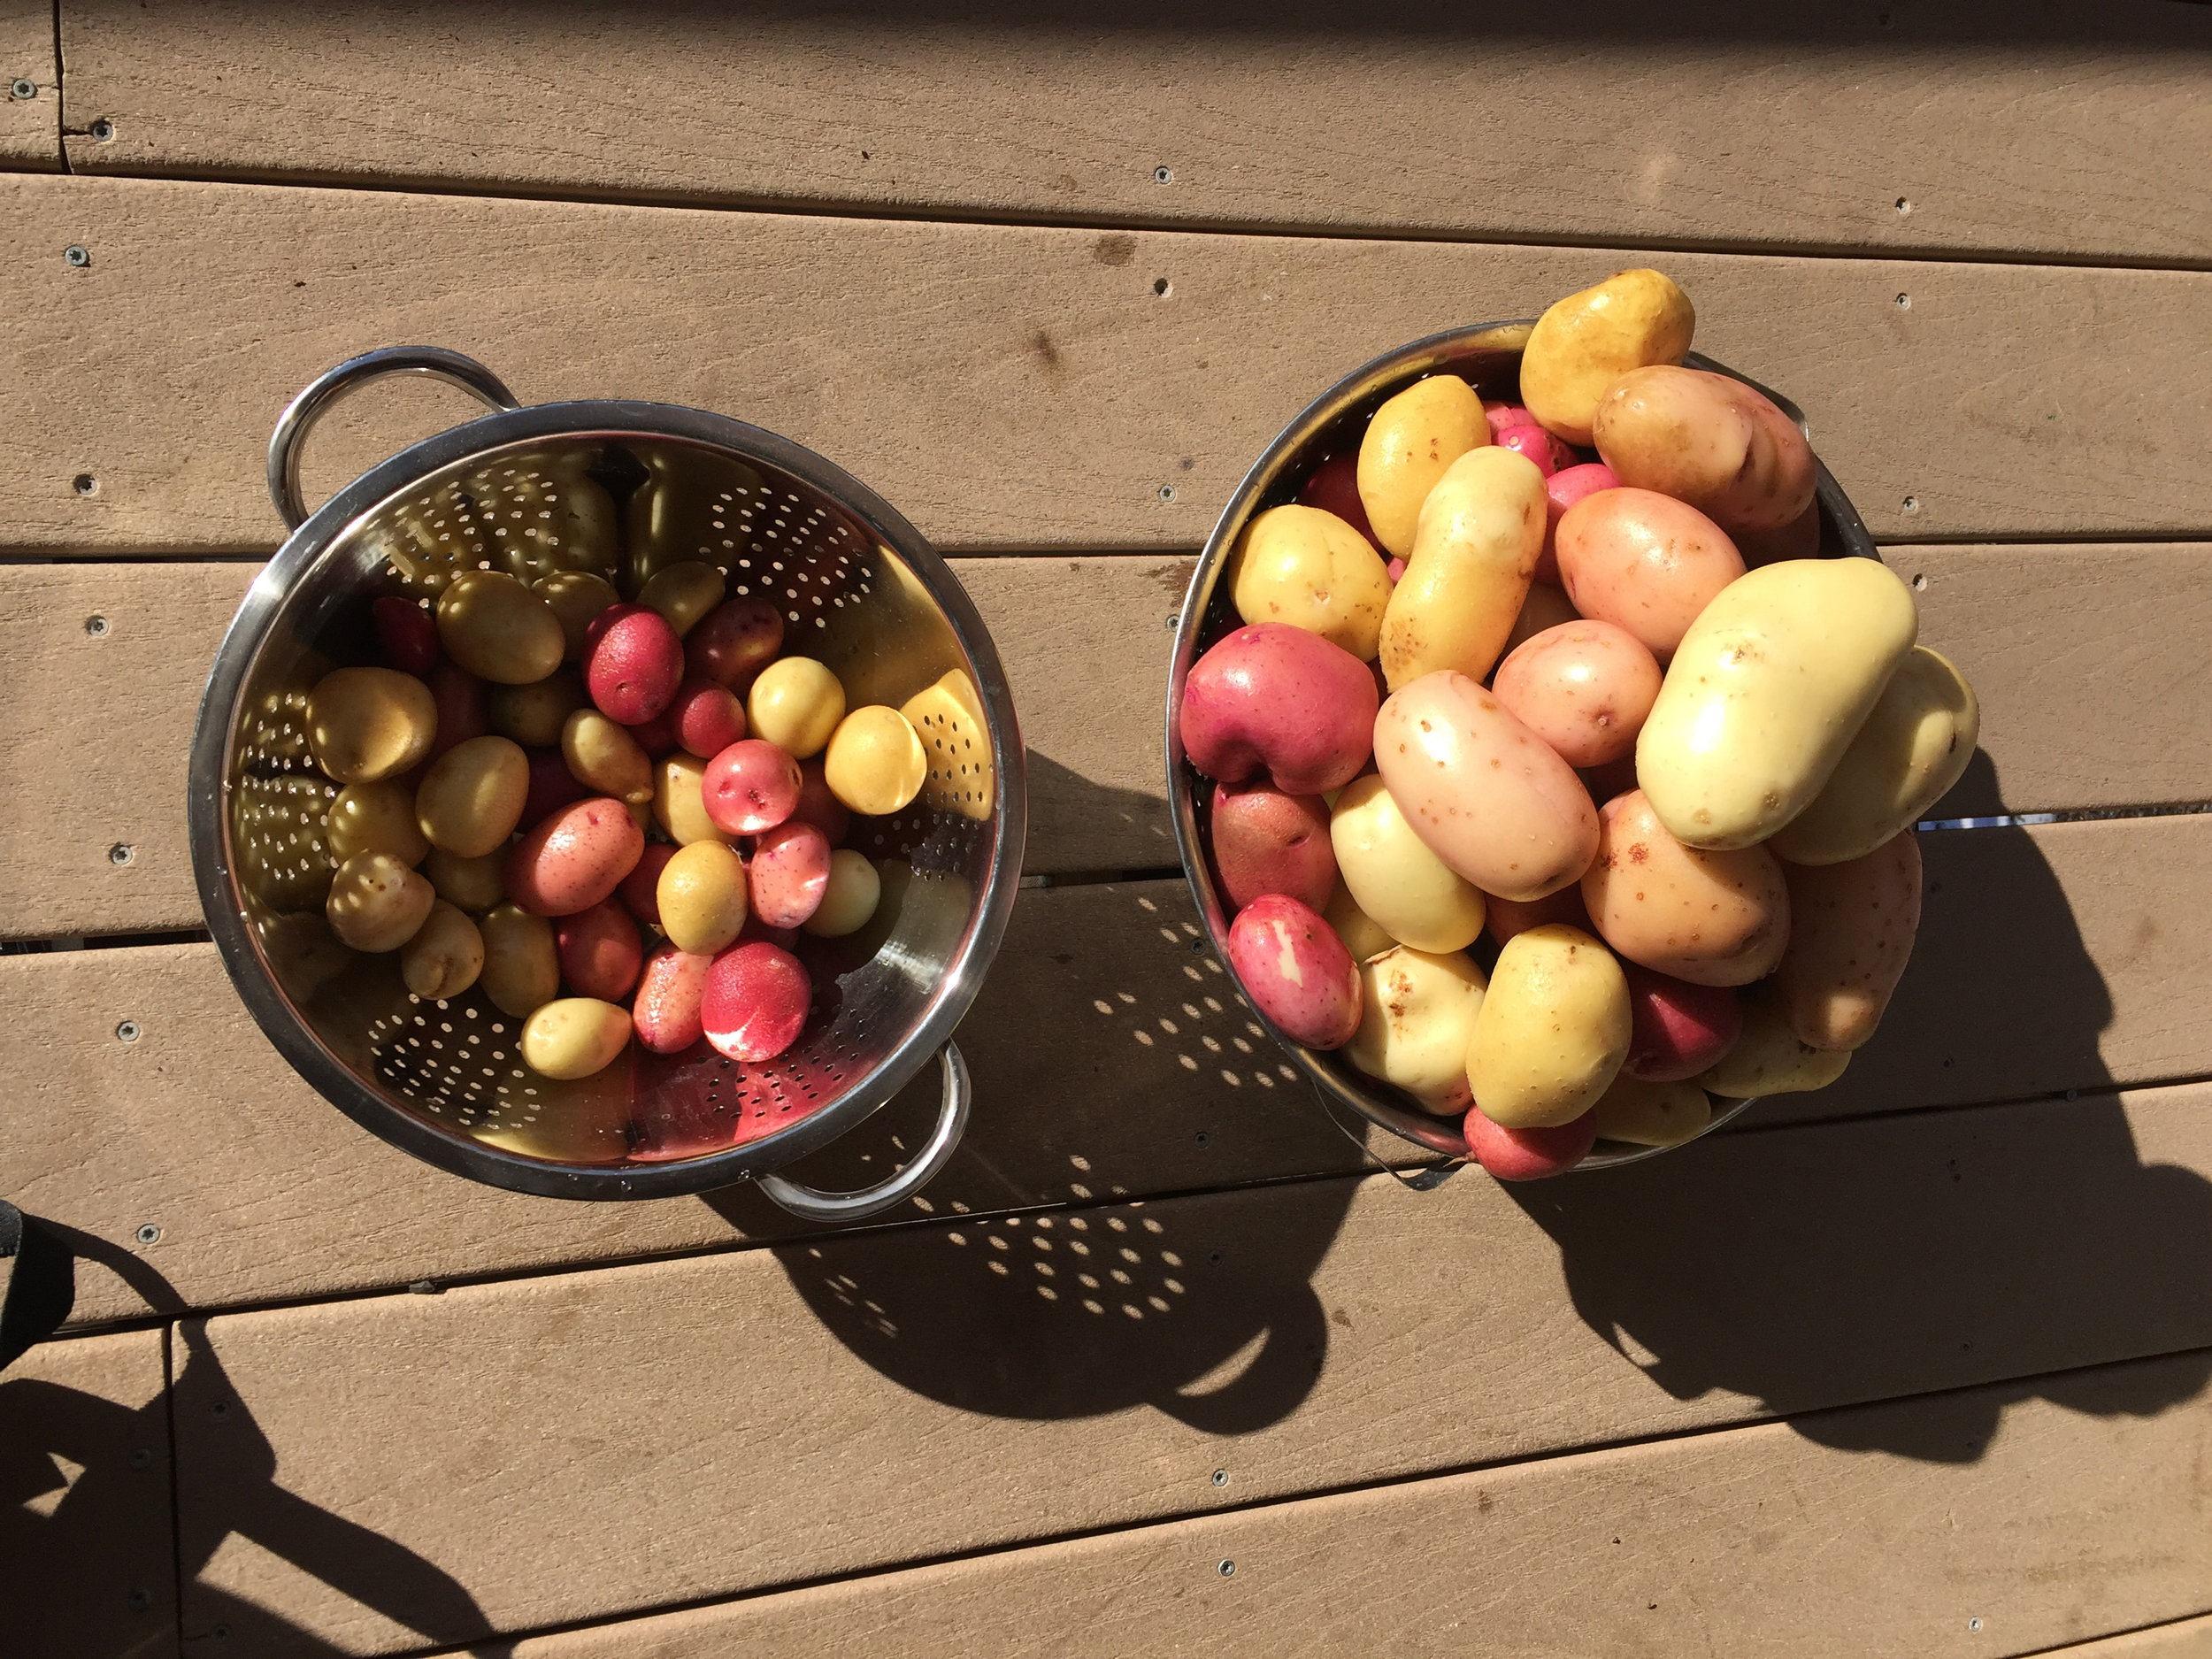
{"points": [[445, 956], [364, 725], [1715, 442], [522, 961], [1585, 341], [1408, 444], [1416, 1016], [472, 796], [1708, 918], [1392, 877], [499, 630], [1473, 560], [1552, 1031], [374, 818], [575, 1037], [1309, 569], [1851, 934], [376, 902], [1769, 1058]]}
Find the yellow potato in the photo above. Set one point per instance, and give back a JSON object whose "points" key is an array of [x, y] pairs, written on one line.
{"points": [[795, 703], [1363, 935], [702, 897], [850, 900], [576, 596], [603, 755], [532, 714], [1546, 607], [365, 724], [499, 630], [1768, 1059], [1584, 342], [1552, 1031], [682, 594], [1309, 568], [680, 803], [444, 957], [1653, 1114], [1416, 1017], [1474, 555], [876, 763], [473, 885], [522, 961], [1405, 890], [377, 902], [1765, 692], [1910, 751], [374, 818], [1851, 934], [575, 1037], [1412, 438], [472, 796]]}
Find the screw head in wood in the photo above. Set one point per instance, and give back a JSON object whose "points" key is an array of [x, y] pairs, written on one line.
{"points": [[148, 1234], [24, 89], [78, 255]]}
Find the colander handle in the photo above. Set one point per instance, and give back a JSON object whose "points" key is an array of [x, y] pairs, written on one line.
{"points": [[301, 414], [952, 1121]]}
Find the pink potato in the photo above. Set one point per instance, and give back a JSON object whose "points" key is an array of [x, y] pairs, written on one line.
{"points": [[1503, 416], [1705, 439], [459, 696], [1529, 1154], [1265, 841], [1296, 971], [574, 858], [552, 787], [1482, 792], [1679, 1028], [1712, 917], [633, 661], [1333, 487], [756, 1001], [639, 890], [1274, 698], [406, 635], [1562, 490], [1533, 442], [600, 952], [1395, 569], [1643, 562], [1584, 687], [818, 806], [750, 787], [708, 716], [789, 874], [1502, 918], [665, 1014], [733, 641]]}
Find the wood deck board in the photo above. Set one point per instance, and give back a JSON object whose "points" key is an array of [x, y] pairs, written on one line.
{"points": [[30, 129]]}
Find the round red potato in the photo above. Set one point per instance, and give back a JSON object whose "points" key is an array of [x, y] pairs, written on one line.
{"points": [[734, 642], [639, 890], [1702, 438], [1562, 490], [1529, 1154], [818, 806], [600, 952], [1274, 698], [575, 858], [756, 1001], [552, 787], [707, 716], [1679, 1028], [1533, 442], [1333, 487], [633, 661], [789, 874], [1297, 971], [459, 696], [407, 634], [666, 1015], [1266, 842], [1643, 562], [1584, 687], [750, 786]]}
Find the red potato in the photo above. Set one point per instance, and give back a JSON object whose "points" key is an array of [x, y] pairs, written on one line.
{"points": [[708, 716], [756, 1001], [734, 642], [1562, 490], [600, 952], [818, 806], [459, 696], [574, 858], [1705, 439], [1584, 687], [1333, 487], [1529, 1154], [1504, 417], [1712, 917], [1679, 1028], [552, 787], [1274, 698], [1264, 841], [1799, 539], [407, 635], [1502, 918], [789, 874], [1296, 971], [750, 786], [639, 890], [656, 736], [1395, 569], [1851, 934], [633, 661], [1549, 454], [1643, 562], [666, 1012]]}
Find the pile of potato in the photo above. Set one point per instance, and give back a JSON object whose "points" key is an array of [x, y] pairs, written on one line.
{"points": [[617, 817], [1611, 709]]}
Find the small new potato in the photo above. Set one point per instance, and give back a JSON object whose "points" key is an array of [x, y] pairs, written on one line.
{"points": [[701, 898], [1408, 445], [665, 1012], [679, 800], [1851, 934], [850, 899], [575, 1037], [444, 957], [1296, 971], [1552, 1031], [734, 642], [1768, 1059], [1475, 546], [708, 716], [1274, 700], [1679, 1028], [374, 818], [788, 876], [1715, 442], [603, 755], [473, 885], [1416, 1017], [876, 763], [1392, 877], [1264, 841], [633, 663], [1585, 341], [1313, 571], [1653, 1114], [532, 714], [600, 952], [499, 630], [575, 858], [522, 961], [576, 597], [376, 902], [756, 1001], [368, 724], [684, 594], [472, 796], [1712, 917], [1643, 562], [795, 703], [1529, 1154], [1586, 688], [1909, 752]]}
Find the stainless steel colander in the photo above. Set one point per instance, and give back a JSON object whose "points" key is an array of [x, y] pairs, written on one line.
{"points": [[1488, 356], [618, 489]]}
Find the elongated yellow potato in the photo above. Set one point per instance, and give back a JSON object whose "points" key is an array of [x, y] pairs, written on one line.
{"points": [[1389, 874], [1311, 569], [1553, 1029], [1653, 1114], [1911, 749], [1768, 1059], [1764, 694], [1409, 442], [1474, 555], [1583, 343], [1416, 1017]]}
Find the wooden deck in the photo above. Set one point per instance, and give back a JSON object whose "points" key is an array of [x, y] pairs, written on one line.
{"points": [[1919, 1364]]}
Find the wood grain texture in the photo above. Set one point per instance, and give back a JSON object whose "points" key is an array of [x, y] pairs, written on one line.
{"points": [[580, 1445], [1009, 388], [2006, 127], [30, 129], [85, 1522], [1756, 1541]]}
